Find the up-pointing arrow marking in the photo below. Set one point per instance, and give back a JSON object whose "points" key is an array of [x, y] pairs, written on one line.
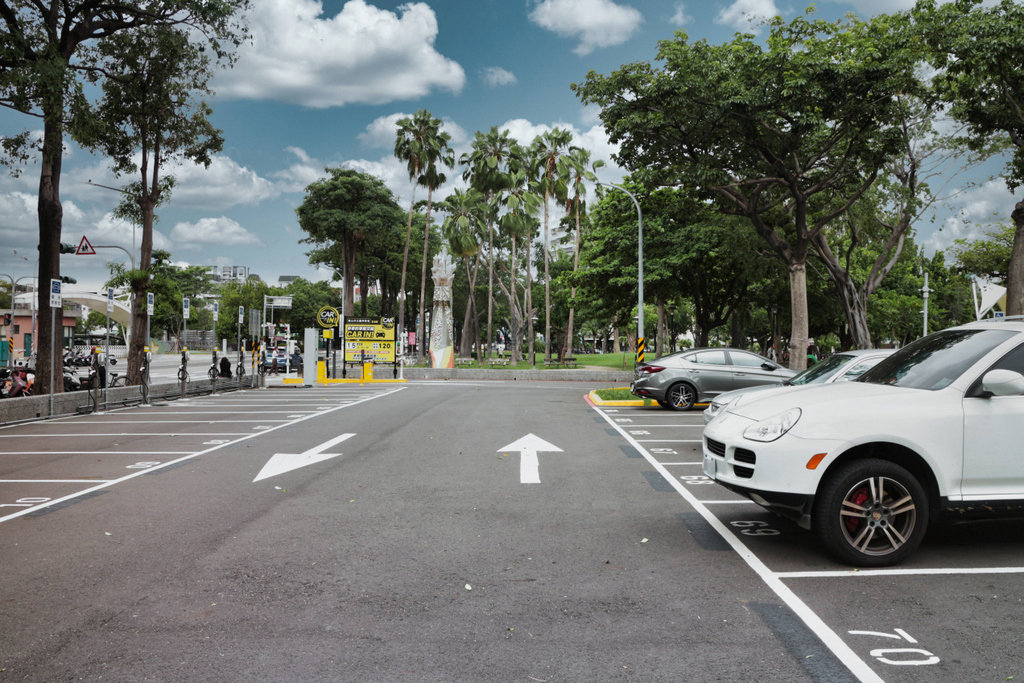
{"points": [[286, 462], [529, 465]]}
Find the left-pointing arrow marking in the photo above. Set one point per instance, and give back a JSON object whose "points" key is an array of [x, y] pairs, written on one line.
{"points": [[529, 465], [286, 462]]}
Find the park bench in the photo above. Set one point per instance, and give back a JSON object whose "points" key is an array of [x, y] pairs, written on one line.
{"points": [[569, 362], [497, 360], [463, 361]]}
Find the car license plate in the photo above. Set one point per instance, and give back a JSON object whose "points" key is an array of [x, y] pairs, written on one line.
{"points": [[709, 466]]}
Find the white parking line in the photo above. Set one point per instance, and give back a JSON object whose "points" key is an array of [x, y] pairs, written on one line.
{"points": [[728, 502], [97, 452], [158, 422], [832, 641], [670, 441], [196, 454], [899, 572], [682, 463], [55, 481], [78, 436]]}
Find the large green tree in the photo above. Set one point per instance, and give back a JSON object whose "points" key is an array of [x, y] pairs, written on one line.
{"points": [[151, 110], [787, 132], [463, 230], [546, 150], [487, 169], [338, 213], [576, 170], [979, 54], [45, 48]]}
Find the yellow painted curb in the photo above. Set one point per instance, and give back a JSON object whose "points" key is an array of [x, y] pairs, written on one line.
{"points": [[601, 402], [292, 380], [637, 403]]}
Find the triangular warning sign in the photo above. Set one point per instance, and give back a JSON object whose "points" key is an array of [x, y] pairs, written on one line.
{"points": [[84, 248]]}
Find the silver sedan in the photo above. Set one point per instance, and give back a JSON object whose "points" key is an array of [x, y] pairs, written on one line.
{"points": [[840, 367], [696, 376]]}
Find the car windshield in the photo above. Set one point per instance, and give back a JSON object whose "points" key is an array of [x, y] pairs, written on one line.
{"points": [[935, 361], [821, 371]]}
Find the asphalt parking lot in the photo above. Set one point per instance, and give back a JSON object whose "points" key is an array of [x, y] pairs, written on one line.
{"points": [[951, 612], [470, 531]]}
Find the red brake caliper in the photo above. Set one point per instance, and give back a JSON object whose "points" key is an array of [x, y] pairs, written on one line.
{"points": [[858, 498]]}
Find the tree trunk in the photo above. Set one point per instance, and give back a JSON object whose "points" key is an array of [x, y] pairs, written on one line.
{"points": [[799, 335], [466, 345], [348, 274], [547, 287], [661, 334], [405, 263], [572, 293], [421, 346], [528, 304], [140, 288], [1015, 276], [490, 279], [51, 216]]}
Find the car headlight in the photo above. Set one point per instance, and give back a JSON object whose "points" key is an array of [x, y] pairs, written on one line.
{"points": [[774, 427]]}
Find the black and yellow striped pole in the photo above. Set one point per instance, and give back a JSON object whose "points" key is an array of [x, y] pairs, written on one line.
{"points": [[640, 274]]}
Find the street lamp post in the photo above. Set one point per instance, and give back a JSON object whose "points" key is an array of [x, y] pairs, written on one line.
{"points": [[640, 273], [926, 291]]}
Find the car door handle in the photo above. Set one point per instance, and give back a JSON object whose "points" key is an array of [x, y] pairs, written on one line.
{"points": [[741, 374]]}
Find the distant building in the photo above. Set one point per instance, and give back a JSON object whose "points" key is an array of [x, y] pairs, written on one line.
{"points": [[286, 280], [228, 274]]}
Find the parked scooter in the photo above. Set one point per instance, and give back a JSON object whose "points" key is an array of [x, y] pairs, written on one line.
{"points": [[16, 382]]}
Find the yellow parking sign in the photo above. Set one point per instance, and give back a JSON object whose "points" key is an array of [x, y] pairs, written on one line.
{"points": [[370, 338]]}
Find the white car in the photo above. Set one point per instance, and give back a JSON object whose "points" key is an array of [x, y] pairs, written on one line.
{"points": [[933, 429], [844, 366]]}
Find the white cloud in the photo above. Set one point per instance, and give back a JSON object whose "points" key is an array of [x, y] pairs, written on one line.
{"points": [[222, 231], [980, 207], [680, 18], [224, 184], [111, 230], [300, 174], [383, 130], [494, 76], [363, 55], [596, 23], [19, 222], [742, 15]]}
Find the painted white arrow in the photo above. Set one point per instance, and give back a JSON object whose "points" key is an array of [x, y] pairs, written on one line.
{"points": [[286, 462], [529, 465]]}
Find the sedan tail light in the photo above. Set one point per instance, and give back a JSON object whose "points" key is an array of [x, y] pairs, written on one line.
{"points": [[651, 369]]}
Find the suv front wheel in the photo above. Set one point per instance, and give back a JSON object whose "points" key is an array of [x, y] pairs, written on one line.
{"points": [[871, 513]]}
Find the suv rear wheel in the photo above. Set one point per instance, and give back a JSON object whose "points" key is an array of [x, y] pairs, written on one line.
{"points": [[871, 513]]}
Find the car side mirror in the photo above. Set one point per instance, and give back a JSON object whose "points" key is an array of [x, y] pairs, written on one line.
{"points": [[768, 366], [1003, 383]]}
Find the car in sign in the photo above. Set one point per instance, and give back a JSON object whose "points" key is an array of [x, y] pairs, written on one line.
{"points": [[683, 379], [931, 431], [839, 367]]}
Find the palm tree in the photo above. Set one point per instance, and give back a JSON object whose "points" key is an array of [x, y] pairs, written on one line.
{"points": [[573, 169], [518, 222], [547, 148], [486, 164], [421, 144], [462, 228]]}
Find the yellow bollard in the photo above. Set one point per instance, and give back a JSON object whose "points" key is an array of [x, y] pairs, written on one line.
{"points": [[367, 373], [321, 372]]}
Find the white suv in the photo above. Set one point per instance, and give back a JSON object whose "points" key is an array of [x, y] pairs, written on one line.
{"points": [[934, 429]]}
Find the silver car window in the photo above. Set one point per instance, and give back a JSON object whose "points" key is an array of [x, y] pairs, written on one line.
{"points": [[859, 369], [710, 358], [747, 360]]}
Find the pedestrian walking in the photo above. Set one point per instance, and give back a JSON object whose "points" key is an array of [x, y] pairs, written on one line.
{"points": [[273, 362]]}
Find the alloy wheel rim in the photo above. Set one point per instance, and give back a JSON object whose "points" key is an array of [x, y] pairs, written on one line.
{"points": [[878, 516]]}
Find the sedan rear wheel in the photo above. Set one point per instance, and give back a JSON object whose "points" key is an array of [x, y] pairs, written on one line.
{"points": [[681, 396], [871, 513]]}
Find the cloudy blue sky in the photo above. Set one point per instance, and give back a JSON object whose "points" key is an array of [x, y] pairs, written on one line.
{"points": [[323, 83]]}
